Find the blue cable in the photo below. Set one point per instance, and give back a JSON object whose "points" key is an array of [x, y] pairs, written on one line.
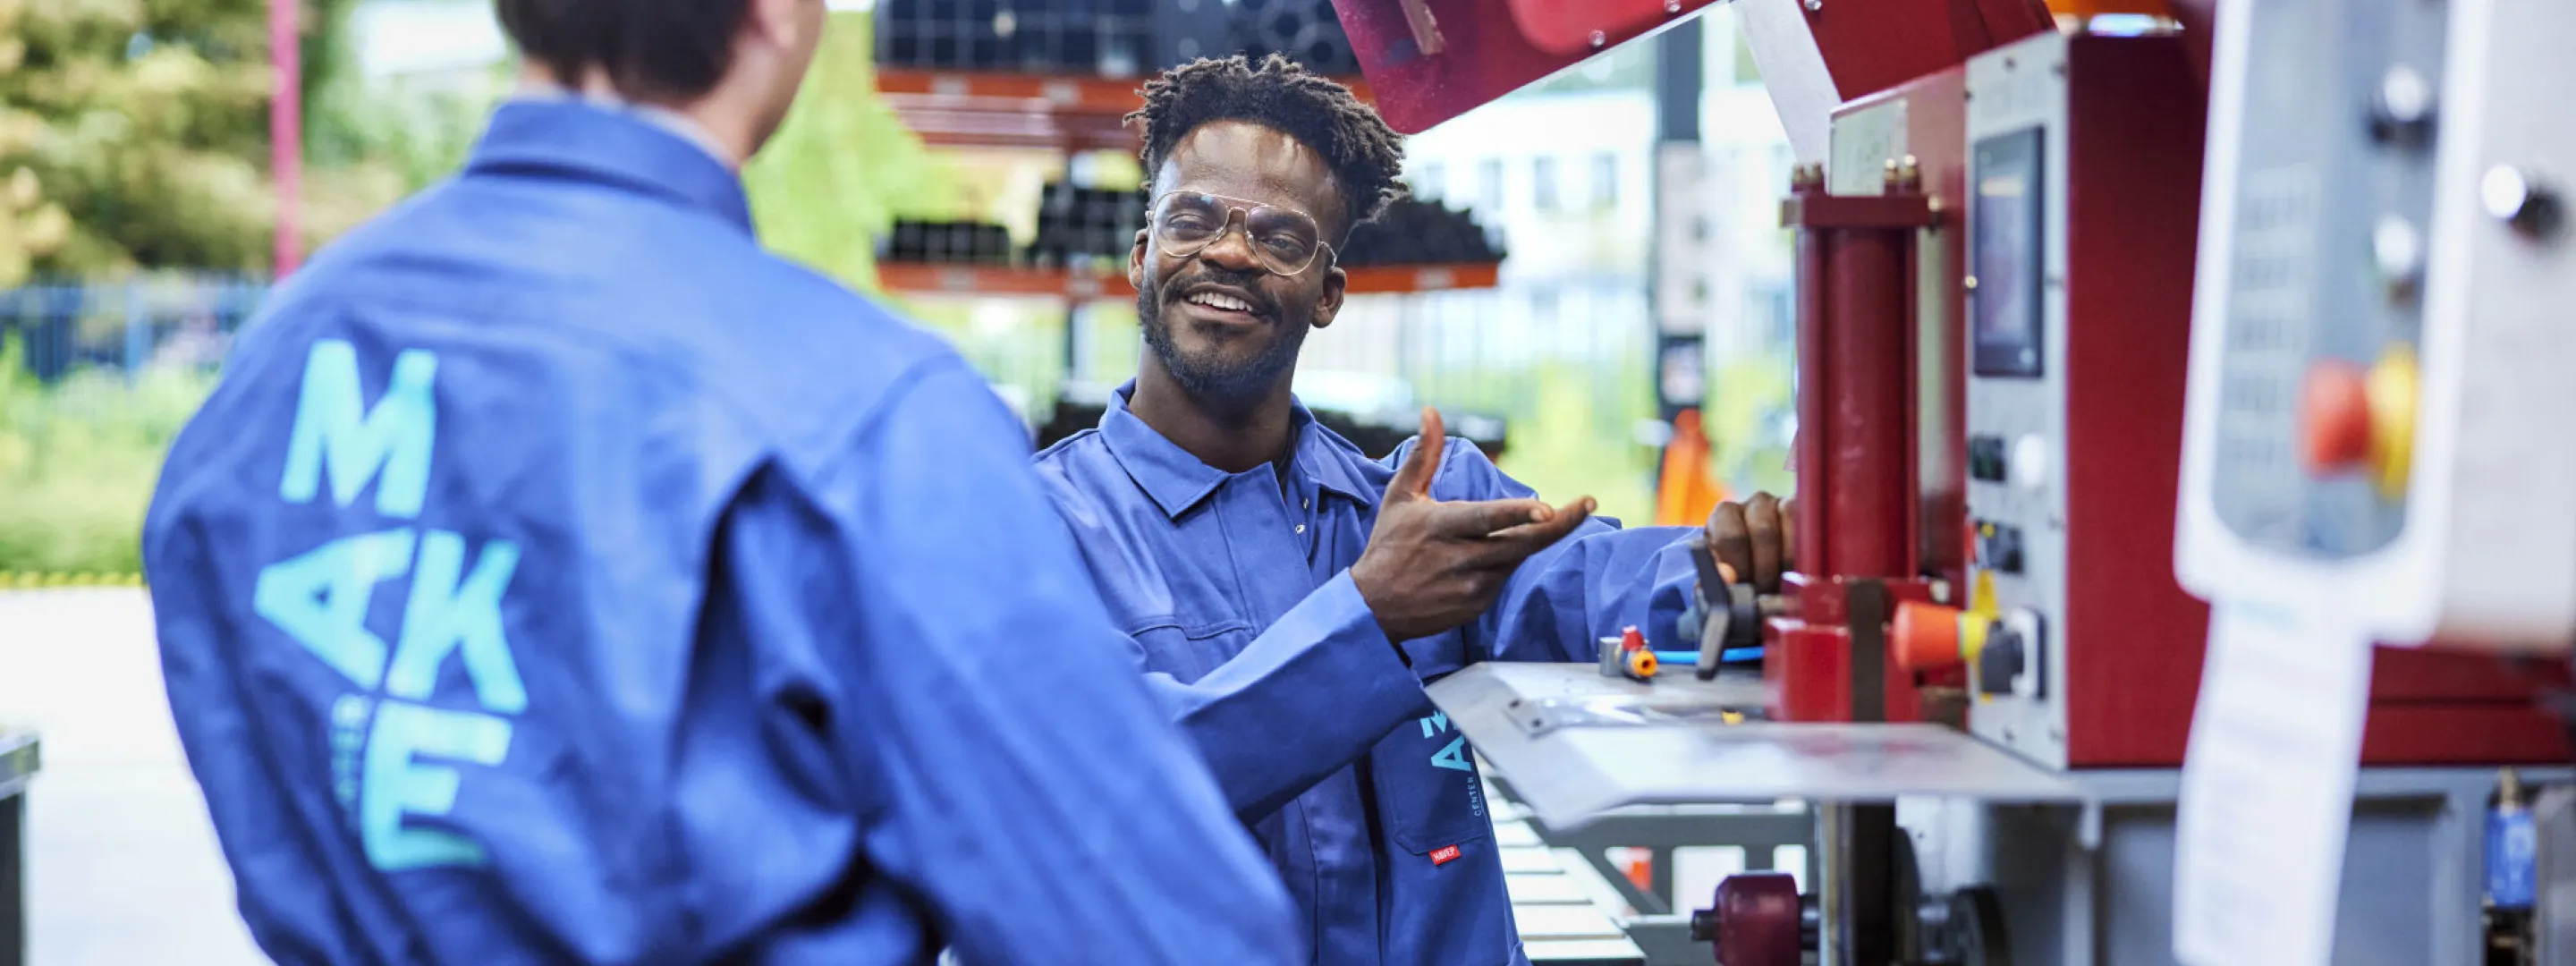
{"points": [[1728, 656]]}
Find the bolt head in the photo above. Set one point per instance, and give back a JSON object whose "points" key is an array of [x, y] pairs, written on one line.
{"points": [[1599, 38], [2521, 202], [1815, 5]]}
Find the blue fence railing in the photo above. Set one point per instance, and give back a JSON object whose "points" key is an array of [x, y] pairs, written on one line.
{"points": [[130, 324]]}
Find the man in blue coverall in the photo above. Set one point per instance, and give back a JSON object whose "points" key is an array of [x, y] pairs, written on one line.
{"points": [[556, 577], [1290, 596]]}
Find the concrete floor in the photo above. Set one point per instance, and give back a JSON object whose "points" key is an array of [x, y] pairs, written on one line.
{"points": [[122, 864]]}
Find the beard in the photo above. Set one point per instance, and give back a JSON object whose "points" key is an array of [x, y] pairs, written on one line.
{"points": [[1208, 374]]}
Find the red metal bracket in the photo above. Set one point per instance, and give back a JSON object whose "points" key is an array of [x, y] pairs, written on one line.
{"points": [[1820, 210]]}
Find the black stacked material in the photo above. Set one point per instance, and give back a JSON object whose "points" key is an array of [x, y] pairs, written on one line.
{"points": [[1308, 31], [947, 243], [1085, 226], [1109, 38], [1414, 232]]}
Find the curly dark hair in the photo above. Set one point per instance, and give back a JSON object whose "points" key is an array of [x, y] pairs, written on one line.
{"points": [[1366, 156]]}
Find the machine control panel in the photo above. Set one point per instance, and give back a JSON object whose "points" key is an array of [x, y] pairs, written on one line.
{"points": [[2078, 642], [2297, 468], [2379, 346], [2017, 149]]}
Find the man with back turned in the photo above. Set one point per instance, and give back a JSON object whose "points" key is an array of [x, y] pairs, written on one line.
{"points": [[557, 577]]}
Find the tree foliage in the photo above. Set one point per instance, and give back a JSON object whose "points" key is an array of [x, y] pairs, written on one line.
{"points": [[134, 135], [842, 166]]}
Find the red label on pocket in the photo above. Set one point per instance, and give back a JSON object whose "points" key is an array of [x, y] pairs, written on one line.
{"points": [[1442, 855]]}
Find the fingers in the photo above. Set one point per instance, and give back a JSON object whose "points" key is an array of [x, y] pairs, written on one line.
{"points": [[1517, 543], [1475, 521], [1762, 524], [1789, 535], [1730, 538], [1413, 479]]}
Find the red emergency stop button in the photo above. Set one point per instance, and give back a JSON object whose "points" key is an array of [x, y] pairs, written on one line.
{"points": [[2334, 418], [1926, 637], [2353, 420]]}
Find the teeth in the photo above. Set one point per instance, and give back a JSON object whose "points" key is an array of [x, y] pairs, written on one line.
{"points": [[1219, 300]]}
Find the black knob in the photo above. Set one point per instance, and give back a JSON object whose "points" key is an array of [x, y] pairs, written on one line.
{"points": [[2001, 661]]}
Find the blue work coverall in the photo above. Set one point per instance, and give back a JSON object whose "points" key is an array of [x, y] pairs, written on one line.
{"points": [[1237, 592], [556, 577]]}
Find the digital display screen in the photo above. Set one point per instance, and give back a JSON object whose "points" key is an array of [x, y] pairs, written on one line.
{"points": [[2007, 254]]}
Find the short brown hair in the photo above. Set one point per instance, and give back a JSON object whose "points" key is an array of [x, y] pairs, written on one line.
{"points": [[651, 49]]}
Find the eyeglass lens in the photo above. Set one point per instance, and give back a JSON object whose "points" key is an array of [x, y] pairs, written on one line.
{"points": [[1285, 241]]}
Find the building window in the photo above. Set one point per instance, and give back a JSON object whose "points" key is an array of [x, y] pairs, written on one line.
{"points": [[1605, 180], [1489, 195], [1543, 183]]}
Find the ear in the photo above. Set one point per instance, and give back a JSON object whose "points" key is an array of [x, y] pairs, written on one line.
{"points": [[1136, 262], [1329, 306]]}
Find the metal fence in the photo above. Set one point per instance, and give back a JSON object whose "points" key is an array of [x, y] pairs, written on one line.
{"points": [[129, 324]]}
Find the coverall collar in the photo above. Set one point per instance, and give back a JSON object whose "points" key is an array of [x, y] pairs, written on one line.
{"points": [[573, 138], [1178, 481]]}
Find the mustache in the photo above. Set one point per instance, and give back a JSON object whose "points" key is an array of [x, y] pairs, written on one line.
{"points": [[1248, 283]]}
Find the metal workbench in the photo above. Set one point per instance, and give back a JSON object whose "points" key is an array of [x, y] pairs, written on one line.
{"points": [[18, 763], [1563, 908]]}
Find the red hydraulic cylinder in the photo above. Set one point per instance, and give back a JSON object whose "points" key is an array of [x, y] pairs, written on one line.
{"points": [[1853, 379], [1857, 543]]}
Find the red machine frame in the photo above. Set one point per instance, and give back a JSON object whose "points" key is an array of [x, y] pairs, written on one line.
{"points": [[1871, 533]]}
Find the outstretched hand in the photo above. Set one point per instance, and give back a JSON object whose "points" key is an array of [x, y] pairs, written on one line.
{"points": [[1432, 565]]}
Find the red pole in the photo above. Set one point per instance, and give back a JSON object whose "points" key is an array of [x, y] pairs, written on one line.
{"points": [[286, 131]]}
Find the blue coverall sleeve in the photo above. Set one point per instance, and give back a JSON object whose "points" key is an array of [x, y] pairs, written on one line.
{"points": [[1305, 698], [1008, 767], [1564, 599]]}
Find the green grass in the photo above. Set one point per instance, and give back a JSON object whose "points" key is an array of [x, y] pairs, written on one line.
{"points": [[78, 461]]}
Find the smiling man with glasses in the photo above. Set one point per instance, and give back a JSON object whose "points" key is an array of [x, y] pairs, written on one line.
{"points": [[1286, 595]]}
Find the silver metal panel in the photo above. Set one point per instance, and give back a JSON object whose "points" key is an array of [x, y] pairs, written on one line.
{"points": [[1864, 140], [2015, 89], [1571, 770]]}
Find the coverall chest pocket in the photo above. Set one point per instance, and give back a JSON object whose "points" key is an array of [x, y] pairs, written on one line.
{"points": [[1190, 652], [1432, 797]]}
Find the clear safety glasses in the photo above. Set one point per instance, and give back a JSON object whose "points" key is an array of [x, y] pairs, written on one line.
{"points": [[1284, 240]]}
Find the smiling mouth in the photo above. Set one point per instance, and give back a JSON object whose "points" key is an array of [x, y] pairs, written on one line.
{"points": [[1219, 301]]}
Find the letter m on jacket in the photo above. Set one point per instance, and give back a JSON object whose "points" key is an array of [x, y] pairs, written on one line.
{"points": [[334, 430]]}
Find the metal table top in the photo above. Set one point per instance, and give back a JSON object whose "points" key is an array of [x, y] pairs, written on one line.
{"points": [[1576, 744]]}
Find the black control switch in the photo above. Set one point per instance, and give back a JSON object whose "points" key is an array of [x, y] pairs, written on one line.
{"points": [[2001, 661], [1986, 458], [1999, 547]]}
